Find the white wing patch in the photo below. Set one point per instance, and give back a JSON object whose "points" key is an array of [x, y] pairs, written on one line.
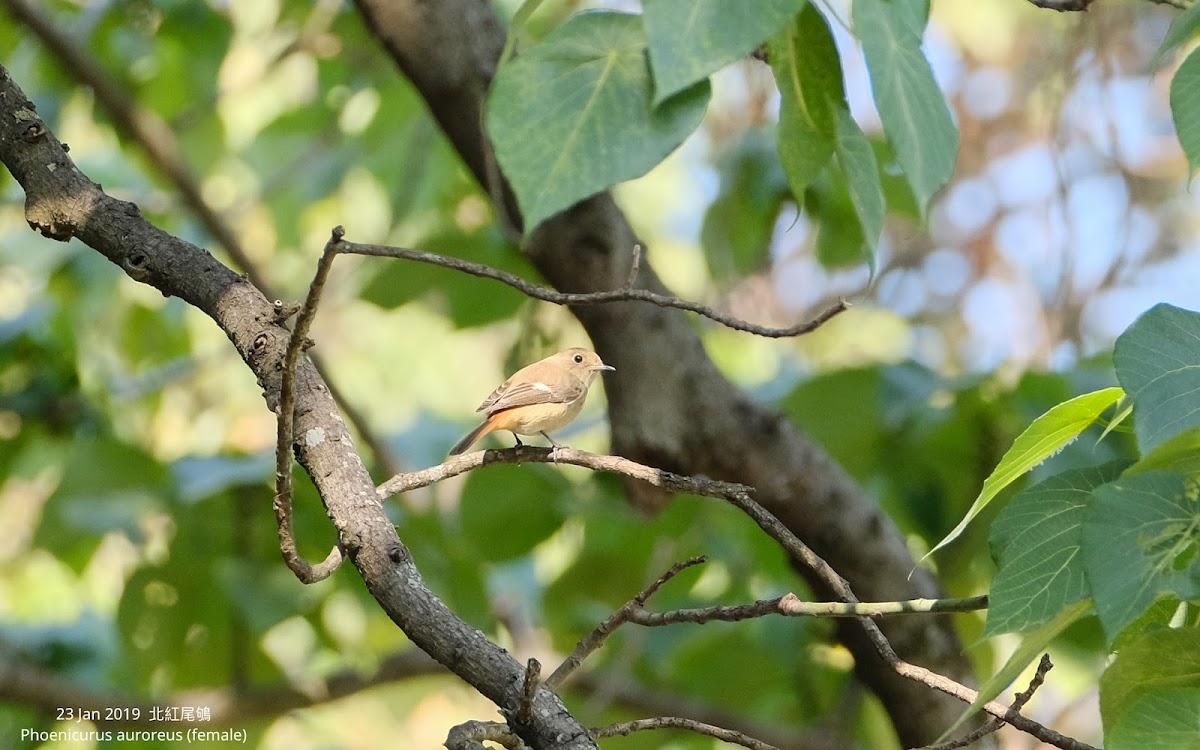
{"points": [[542, 387]]}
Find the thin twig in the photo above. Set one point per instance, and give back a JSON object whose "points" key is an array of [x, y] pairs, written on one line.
{"points": [[789, 605], [625, 294], [596, 638], [285, 433], [678, 722], [634, 267], [1062, 6], [993, 724]]}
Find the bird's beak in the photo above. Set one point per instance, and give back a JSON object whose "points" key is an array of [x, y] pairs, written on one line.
{"points": [[606, 367]]}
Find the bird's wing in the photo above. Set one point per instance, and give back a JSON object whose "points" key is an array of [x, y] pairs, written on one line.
{"points": [[526, 393]]}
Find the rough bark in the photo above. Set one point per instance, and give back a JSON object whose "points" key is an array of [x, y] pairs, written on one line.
{"points": [[669, 406], [61, 203]]}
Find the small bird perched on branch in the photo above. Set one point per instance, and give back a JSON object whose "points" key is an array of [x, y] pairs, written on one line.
{"points": [[540, 397]]}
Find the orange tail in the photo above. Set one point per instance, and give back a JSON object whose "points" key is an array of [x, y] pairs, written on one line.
{"points": [[483, 429]]}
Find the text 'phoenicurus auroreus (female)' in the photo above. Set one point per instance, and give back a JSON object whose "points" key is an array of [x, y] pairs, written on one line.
{"points": [[543, 396]]}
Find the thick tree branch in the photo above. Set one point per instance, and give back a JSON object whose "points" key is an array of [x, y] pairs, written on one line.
{"points": [[61, 203], [154, 136], [669, 406]]}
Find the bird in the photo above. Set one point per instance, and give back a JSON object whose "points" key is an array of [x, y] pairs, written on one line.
{"points": [[538, 398]]}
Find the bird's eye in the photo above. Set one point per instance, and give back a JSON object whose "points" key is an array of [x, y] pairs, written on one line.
{"points": [[578, 358]]}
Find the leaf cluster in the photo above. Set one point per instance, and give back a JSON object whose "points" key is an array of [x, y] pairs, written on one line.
{"points": [[1118, 540], [605, 96]]}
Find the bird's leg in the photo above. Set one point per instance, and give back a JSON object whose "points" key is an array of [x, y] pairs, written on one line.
{"points": [[519, 443], [554, 450]]}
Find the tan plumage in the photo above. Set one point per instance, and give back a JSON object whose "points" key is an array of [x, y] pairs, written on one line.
{"points": [[540, 397]]}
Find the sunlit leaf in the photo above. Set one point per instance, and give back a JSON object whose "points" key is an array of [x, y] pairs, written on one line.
{"points": [[1043, 438]]}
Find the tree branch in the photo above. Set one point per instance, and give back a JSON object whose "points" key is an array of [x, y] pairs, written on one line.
{"points": [[471, 735], [596, 638], [801, 553], [699, 423], [994, 724], [61, 202], [675, 722], [627, 293], [285, 436], [789, 605], [563, 455]]}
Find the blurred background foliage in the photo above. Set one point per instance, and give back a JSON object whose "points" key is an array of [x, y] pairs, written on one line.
{"points": [[139, 555]]}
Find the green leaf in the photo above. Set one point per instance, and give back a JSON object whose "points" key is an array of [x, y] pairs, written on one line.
{"points": [[1157, 360], [1185, 108], [572, 116], [108, 486], [691, 39], [1159, 658], [808, 71], [1166, 719], [507, 510], [1139, 542], [840, 240], [857, 160], [841, 412], [1126, 408], [1180, 454], [1150, 695], [519, 19], [1036, 540], [1043, 438], [738, 226], [1183, 29], [911, 106], [1032, 646]]}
